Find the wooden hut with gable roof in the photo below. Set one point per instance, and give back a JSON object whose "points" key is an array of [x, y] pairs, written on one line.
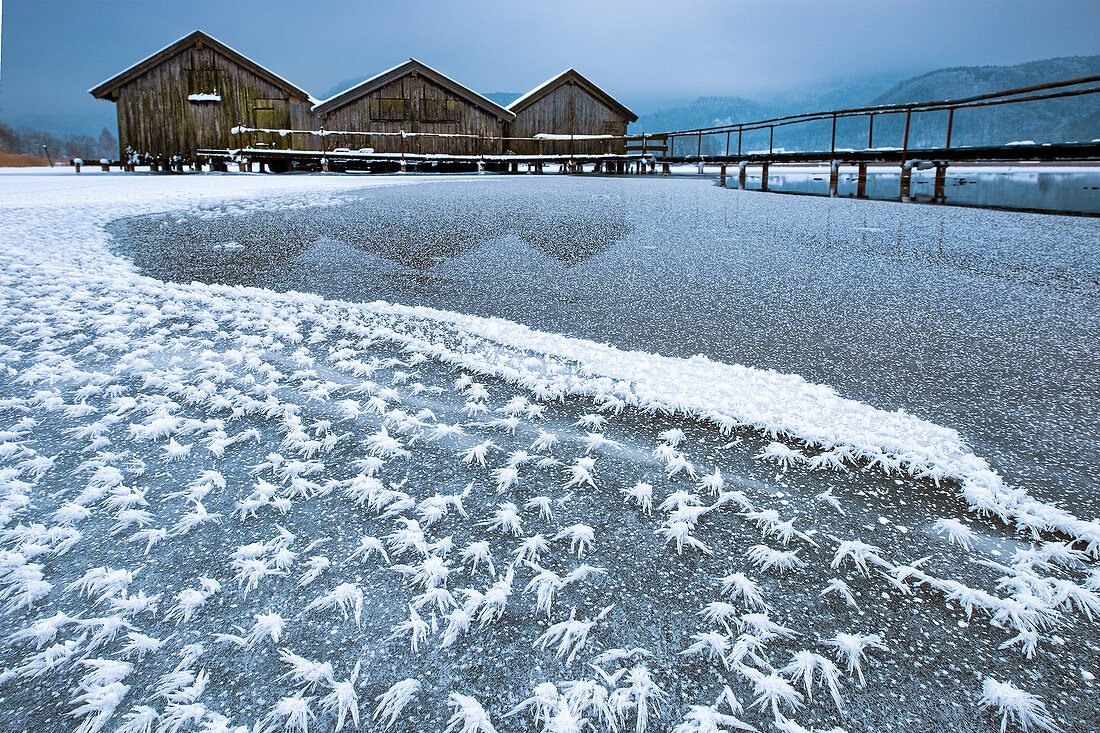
{"points": [[192, 93], [568, 104], [409, 98]]}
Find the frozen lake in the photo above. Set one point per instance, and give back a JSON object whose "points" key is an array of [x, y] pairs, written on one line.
{"points": [[985, 321], [229, 508]]}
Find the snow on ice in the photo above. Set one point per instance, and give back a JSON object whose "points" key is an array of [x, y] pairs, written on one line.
{"points": [[231, 509]]}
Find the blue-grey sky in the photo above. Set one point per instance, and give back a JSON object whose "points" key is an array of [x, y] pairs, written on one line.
{"points": [[646, 53]]}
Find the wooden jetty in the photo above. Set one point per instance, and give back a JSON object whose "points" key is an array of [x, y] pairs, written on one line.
{"points": [[198, 103]]}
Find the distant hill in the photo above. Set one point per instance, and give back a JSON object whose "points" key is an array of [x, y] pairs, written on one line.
{"points": [[1073, 118], [342, 86], [703, 112], [965, 81], [1057, 120]]}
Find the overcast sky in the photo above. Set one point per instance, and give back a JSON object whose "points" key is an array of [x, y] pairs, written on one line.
{"points": [[53, 51]]}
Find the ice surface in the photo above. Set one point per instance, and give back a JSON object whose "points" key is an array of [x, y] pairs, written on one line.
{"points": [[234, 439]]}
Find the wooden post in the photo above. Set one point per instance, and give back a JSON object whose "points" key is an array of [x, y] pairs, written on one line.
{"points": [[832, 146], [722, 176], [906, 182], [939, 194], [727, 143], [77, 163], [665, 169], [742, 174], [771, 138], [950, 124], [699, 152], [861, 182], [871, 133], [834, 177], [905, 140], [764, 177], [738, 142]]}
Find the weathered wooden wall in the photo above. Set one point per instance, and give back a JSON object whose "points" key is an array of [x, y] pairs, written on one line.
{"points": [[418, 93], [569, 109], [156, 117]]}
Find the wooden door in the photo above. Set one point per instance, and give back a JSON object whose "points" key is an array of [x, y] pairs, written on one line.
{"points": [[271, 114]]}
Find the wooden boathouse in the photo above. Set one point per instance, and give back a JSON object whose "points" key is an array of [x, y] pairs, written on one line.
{"points": [[568, 105], [414, 98], [192, 93]]}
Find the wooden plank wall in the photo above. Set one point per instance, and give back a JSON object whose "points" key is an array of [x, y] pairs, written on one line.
{"points": [[155, 116], [468, 119], [567, 110]]}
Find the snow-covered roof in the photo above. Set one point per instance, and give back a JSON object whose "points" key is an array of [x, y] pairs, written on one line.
{"points": [[368, 85], [104, 89], [364, 83], [570, 75], [519, 102]]}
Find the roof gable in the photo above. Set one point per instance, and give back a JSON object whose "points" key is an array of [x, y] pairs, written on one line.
{"points": [[109, 87], [367, 86], [565, 77]]}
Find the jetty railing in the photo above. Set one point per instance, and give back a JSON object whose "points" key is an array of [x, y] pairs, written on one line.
{"points": [[1036, 92]]}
